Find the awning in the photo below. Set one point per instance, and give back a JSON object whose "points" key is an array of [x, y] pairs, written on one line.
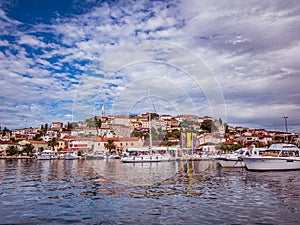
{"points": [[23, 142]]}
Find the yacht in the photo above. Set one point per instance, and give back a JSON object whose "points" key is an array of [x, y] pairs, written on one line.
{"points": [[234, 160], [71, 155], [280, 156], [46, 155]]}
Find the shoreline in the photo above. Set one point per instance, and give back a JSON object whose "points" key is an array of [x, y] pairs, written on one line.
{"points": [[17, 157]]}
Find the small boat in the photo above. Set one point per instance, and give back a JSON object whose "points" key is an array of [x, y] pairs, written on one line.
{"points": [[280, 156], [234, 160], [46, 155], [113, 156], [69, 155], [95, 155], [140, 158]]}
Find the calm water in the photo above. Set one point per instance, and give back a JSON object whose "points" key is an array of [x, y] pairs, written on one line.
{"points": [[109, 192]]}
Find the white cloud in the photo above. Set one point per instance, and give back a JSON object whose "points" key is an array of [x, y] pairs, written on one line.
{"points": [[251, 48]]}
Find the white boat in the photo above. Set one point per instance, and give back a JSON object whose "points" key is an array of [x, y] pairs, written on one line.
{"points": [[145, 155], [69, 155], [46, 155], [141, 158], [95, 155], [112, 156], [279, 156], [234, 160]]}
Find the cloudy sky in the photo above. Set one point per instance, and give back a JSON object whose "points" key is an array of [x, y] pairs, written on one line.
{"points": [[235, 60]]}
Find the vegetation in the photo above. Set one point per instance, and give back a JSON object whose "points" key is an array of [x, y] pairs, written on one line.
{"points": [[28, 149], [12, 150], [52, 143], [208, 126], [173, 134], [110, 145], [233, 147]]}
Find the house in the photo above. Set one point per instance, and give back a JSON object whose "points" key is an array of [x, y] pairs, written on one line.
{"points": [[81, 144], [4, 145], [128, 142], [121, 130], [56, 126], [208, 148], [61, 144], [38, 145]]}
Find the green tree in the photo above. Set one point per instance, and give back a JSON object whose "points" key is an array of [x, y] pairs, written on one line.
{"points": [[98, 124], [28, 149], [12, 150], [137, 134], [6, 132], [154, 116], [208, 125], [52, 143], [110, 145]]}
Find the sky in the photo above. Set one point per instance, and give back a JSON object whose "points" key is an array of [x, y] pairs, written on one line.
{"points": [[234, 60]]}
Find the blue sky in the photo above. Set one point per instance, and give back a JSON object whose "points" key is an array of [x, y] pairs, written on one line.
{"points": [[63, 60]]}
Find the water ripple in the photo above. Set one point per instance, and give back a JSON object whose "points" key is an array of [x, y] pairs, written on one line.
{"points": [[109, 192]]}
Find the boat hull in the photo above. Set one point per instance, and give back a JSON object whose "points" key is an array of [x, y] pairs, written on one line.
{"points": [[272, 163], [144, 159], [230, 163], [46, 157]]}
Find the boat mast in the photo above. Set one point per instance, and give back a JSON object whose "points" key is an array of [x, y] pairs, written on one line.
{"points": [[150, 125]]}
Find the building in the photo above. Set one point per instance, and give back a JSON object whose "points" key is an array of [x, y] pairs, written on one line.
{"points": [[4, 145], [38, 145]]}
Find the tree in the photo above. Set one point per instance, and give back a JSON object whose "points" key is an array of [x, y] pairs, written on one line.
{"points": [[220, 121], [37, 137], [12, 150], [110, 145], [69, 126], [208, 125], [44, 129], [28, 149], [98, 124], [6, 132], [154, 116], [52, 143]]}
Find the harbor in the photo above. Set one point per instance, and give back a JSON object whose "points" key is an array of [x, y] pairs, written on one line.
{"points": [[176, 192]]}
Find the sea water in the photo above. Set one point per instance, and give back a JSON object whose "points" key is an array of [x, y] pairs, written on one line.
{"points": [[112, 192]]}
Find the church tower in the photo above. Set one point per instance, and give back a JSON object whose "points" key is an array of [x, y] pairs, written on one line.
{"points": [[102, 111]]}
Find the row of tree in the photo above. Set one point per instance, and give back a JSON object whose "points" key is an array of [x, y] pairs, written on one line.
{"points": [[13, 150]]}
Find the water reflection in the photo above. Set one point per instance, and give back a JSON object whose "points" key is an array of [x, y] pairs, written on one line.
{"points": [[82, 191]]}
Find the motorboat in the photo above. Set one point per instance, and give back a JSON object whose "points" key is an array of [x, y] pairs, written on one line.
{"points": [[47, 154], [235, 159], [279, 156], [69, 155], [95, 155], [113, 156]]}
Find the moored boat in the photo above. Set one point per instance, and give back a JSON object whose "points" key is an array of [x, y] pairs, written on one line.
{"points": [[280, 156], [135, 157], [148, 154], [46, 155], [234, 160], [69, 155]]}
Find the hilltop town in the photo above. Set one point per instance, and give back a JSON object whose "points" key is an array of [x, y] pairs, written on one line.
{"points": [[188, 132]]}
